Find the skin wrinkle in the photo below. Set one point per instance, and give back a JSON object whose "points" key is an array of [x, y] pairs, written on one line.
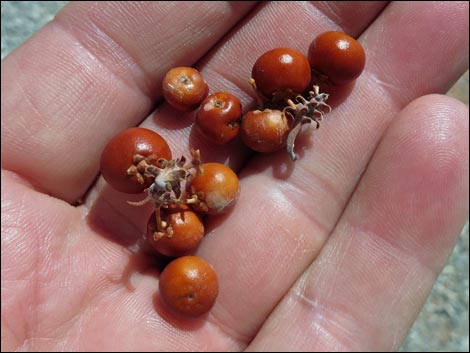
{"points": [[98, 37], [320, 321], [26, 277], [128, 22], [227, 331], [331, 11], [87, 304], [319, 302], [387, 88], [295, 204], [338, 13], [26, 94], [326, 19], [28, 99], [37, 283], [69, 324], [39, 277], [31, 330], [54, 103]]}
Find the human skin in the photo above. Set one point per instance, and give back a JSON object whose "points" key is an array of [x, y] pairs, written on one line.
{"points": [[336, 251]]}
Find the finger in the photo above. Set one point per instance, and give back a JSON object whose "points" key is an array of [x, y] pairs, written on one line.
{"points": [[367, 286], [285, 212], [90, 73]]}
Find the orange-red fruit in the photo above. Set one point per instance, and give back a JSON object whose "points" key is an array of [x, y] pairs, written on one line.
{"points": [[337, 56], [217, 185], [281, 71], [219, 117], [189, 286], [184, 88], [187, 231], [264, 131], [118, 154]]}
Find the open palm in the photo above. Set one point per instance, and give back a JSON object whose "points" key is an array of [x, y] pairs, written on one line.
{"points": [[336, 251]]}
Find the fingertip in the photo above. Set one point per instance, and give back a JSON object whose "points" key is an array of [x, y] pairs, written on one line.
{"points": [[433, 128], [417, 182]]}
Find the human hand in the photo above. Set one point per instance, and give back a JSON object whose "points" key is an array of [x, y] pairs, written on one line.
{"points": [[335, 252]]}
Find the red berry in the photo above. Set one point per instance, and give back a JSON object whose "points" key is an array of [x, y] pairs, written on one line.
{"points": [[337, 56], [219, 117], [281, 71], [118, 156], [183, 231], [264, 131], [217, 186], [184, 88], [189, 286]]}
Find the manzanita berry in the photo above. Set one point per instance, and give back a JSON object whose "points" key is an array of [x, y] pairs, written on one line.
{"points": [[121, 157], [264, 131], [189, 286], [336, 57], [281, 73], [184, 88], [179, 231], [216, 186], [219, 117]]}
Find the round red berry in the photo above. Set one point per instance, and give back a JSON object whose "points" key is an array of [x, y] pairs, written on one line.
{"points": [[189, 286], [119, 156], [183, 231], [281, 72], [219, 117], [217, 186], [337, 57], [184, 88], [264, 131]]}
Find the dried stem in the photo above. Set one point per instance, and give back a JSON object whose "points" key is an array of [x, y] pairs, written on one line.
{"points": [[169, 186]]}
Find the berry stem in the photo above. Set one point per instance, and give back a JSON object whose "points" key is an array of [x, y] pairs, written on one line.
{"points": [[305, 111]]}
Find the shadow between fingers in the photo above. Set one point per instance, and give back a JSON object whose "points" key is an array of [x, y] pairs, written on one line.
{"points": [[113, 218], [169, 118], [337, 94], [279, 163]]}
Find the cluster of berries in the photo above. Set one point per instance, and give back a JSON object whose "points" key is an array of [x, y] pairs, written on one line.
{"points": [[287, 86], [139, 160], [184, 191]]}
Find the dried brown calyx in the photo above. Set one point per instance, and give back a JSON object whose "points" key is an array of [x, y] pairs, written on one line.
{"points": [[304, 111], [297, 108], [170, 184]]}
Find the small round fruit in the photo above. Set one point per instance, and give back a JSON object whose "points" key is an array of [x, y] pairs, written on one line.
{"points": [[184, 88], [118, 156], [337, 56], [281, 71], [219, 117], [189, 286], [264, 131], [184, 231], [217, 186]]}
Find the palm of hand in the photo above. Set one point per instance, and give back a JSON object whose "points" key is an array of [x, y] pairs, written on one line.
{"points": [[76, 278]]}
